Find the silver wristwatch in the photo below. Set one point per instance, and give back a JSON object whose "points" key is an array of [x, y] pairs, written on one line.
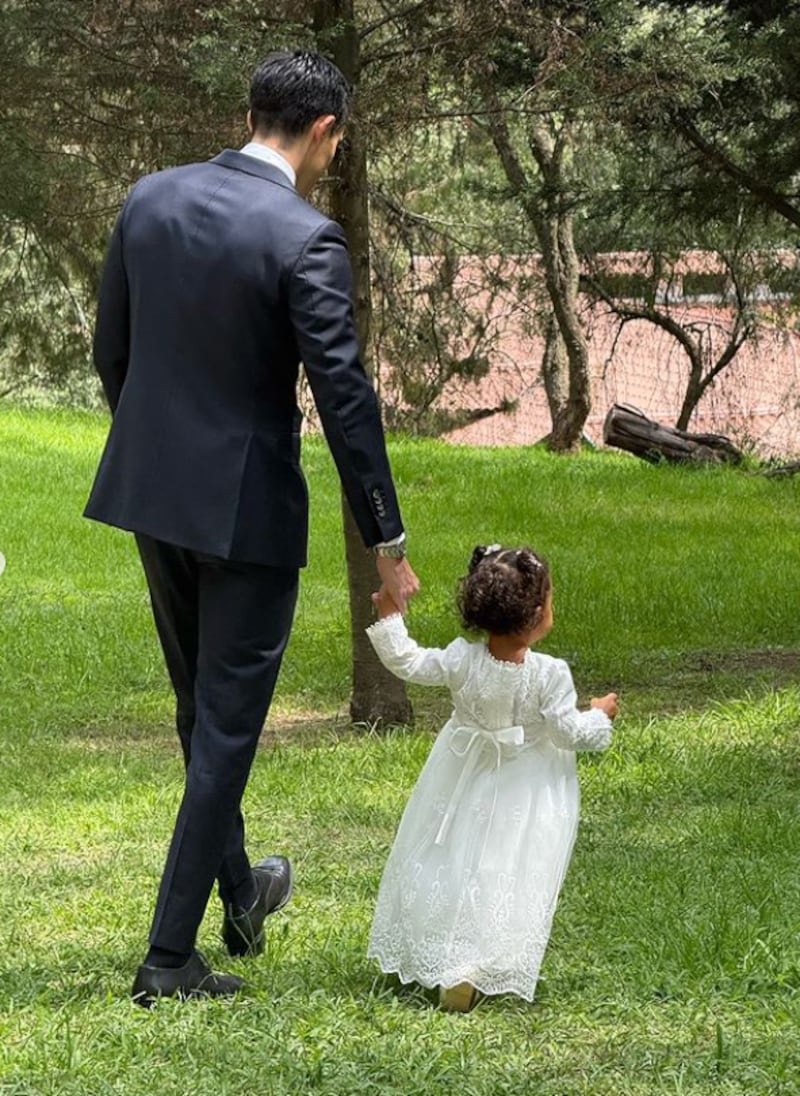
{"points": [[393, 550]]}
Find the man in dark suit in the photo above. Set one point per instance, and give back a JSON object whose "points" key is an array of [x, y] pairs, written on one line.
{"points": [[220, 278]]}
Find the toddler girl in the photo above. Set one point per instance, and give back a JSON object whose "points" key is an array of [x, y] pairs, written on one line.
{"points": [[470, 887]]}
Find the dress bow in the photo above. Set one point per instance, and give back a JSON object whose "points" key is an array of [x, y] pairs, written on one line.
{"points": [[474, 740]]}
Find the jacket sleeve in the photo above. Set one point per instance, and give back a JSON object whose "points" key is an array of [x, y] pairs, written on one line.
{"points": [[321, 309], [112, 329]]}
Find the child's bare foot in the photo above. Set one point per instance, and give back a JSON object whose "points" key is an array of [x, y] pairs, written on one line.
{"points": [[459, 998]]}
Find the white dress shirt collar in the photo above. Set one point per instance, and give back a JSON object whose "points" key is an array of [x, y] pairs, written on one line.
{"points": [[270, 156]]}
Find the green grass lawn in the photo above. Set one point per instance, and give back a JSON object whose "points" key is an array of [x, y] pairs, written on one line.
{"points": [[673, 965]]}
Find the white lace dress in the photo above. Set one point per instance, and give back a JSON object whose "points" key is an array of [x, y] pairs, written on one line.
{"points": [[472, 880]]}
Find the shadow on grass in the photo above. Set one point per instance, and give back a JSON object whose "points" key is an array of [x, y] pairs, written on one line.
{"points": [[667, 683], [660, 684], [75, 976]]}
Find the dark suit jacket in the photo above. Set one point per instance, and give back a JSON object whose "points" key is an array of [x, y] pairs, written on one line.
{"points": [[219, 280]]}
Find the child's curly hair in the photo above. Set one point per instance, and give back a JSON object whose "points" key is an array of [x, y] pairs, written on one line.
{"points": [[504, 590]]}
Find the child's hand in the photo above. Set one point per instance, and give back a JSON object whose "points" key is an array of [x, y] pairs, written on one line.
{"points": [[607, 703], [384, 603]]}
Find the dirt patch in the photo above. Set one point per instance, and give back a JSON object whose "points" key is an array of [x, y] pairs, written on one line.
{"points": [[125, 737], [307, 728], [781, 661], [698, 679]]}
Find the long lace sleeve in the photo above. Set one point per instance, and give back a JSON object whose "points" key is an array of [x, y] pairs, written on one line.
{"points": [[562, 722], [403, 656]]}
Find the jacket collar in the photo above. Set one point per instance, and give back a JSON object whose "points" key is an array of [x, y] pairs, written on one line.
{"points": [[240, 161]]}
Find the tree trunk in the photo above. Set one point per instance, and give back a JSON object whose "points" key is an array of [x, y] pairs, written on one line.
{"points": [[558, 253], [377, 696], [694, 390], [695, 341], [579, 402], [548, 209], [555, 371], [554, 227]]}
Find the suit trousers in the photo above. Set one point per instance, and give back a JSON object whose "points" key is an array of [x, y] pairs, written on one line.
{"points": [[223, 627]]}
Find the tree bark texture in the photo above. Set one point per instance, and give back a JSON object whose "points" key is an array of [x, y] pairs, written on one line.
{"points": [[629, 428], [377, 697], [555, 370], [548, 209], [554, 225]]}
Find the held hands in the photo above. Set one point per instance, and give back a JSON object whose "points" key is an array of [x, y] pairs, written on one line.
{"points": [[398, 584], [607, 703], [384, 603]]}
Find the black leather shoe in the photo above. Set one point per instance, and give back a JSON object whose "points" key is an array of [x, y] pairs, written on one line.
{"points": [[243, 930], [194, 979]]}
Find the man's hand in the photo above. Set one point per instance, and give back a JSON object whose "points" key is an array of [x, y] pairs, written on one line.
{"points": [[399, 580]]}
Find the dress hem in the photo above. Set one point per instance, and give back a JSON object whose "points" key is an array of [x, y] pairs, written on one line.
{"points": [[480, 984]]}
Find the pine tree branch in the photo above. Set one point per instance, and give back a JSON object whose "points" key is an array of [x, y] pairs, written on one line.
{"points": [[723, 162]]}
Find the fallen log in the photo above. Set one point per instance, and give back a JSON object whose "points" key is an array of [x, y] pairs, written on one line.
{"points": [[783, 470], [628, 428]]}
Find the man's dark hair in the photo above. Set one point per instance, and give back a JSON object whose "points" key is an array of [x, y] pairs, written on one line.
{"points": [[289, 91], [504, 591]]}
